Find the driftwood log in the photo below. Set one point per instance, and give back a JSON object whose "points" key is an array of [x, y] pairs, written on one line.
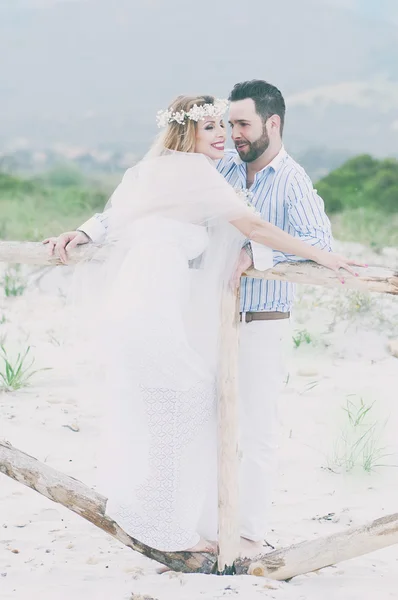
{"points": [[90, 505], [372, 279], [280, 565]]}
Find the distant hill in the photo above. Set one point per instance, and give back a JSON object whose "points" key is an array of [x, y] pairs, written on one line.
{"points": [[362, 182]]}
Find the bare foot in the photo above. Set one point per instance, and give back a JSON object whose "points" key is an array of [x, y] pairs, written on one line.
{"points": [[202, 546]]}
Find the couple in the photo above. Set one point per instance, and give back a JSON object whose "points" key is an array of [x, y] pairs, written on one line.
{"points": [[180, 230]]}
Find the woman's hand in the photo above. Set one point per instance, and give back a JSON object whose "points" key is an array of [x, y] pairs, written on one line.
{"points": [[335, 262], [65, 242]]}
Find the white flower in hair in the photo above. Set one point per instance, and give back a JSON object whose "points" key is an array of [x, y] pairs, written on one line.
{"points": [[197, 113]]}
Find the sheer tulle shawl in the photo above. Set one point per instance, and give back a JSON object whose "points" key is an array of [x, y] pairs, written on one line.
{"points": [[163, 200], [184, 186]]}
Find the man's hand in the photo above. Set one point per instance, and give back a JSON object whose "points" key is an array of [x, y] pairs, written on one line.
{"points": [[65, 242], [245, 262]]}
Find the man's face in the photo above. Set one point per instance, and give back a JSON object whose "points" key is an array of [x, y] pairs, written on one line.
{"points": [[249, 132]]}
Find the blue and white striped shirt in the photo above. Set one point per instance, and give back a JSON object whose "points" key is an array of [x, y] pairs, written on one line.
{"points": [[283, 194]]}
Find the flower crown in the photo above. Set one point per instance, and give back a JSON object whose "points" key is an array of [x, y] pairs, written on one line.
{"points": [[197, 113]]}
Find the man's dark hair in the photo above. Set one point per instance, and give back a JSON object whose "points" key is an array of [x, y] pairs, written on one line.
{"points": [[267, 98]]}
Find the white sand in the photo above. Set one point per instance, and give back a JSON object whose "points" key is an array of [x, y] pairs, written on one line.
{"points": [[60, 556]]}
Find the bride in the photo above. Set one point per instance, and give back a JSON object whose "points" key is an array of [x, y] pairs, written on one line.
{"points": [[176, 228]]}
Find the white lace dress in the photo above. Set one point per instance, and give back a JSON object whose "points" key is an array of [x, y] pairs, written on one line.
{"points": [[159, 453]]}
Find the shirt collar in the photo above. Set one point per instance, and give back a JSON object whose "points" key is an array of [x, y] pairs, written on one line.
{"points": [[274, 164]]}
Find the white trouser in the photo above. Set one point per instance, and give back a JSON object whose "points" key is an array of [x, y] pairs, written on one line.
{"points": [[262, 355]]}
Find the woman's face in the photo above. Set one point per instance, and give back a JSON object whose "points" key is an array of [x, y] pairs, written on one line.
{"points": [[210, 137]]}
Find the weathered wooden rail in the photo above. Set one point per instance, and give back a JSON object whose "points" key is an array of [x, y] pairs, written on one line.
{"points": [[372, 279]]}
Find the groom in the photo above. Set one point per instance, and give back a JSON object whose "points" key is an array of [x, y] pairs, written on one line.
{"points": [[283, 194]]}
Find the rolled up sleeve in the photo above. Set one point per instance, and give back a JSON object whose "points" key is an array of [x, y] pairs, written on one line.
{"points": [[307, 217]]}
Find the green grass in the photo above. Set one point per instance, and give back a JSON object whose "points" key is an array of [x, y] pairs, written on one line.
{"points": [[32, 209], [367, 226], [302, 337], [35, 209], [13, 282], [359, 444], [16, 374]]}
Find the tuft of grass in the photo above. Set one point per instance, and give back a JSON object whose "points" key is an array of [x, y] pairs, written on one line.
{"points": [[308, 387], [302, 337], [53, 339], [13, 282], [354, 304], [359, 443], [17, 374], [360, 302]]}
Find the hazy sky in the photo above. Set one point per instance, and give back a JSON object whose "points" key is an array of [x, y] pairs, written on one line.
{"points": [[70, 65]]}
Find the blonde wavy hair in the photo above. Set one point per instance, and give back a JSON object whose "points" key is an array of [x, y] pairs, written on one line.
{"points": [[182, 138]]}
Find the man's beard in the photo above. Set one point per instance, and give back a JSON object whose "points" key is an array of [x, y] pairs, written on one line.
{"points": [[256, 148]]}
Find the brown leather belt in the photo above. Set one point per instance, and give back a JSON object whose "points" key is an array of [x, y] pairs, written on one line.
{"points": [[264, 316]]}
